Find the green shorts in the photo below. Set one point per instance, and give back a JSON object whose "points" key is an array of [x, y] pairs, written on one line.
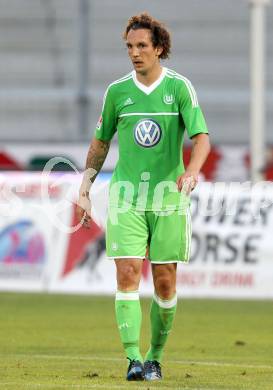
{"points": [[161, 238]]}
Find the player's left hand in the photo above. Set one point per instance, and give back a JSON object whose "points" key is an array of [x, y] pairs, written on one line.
{"points": [[187, 182], [83, 209]]}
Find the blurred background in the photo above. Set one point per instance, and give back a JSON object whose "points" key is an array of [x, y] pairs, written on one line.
{"points": [[58, 56]]}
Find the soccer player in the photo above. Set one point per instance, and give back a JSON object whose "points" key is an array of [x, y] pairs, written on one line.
{"points": [[151, 108]]}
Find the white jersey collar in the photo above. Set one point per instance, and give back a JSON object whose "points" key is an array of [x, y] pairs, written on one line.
{"points": [[152, 87]]}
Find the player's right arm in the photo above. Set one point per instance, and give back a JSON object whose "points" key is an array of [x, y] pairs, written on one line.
{"points": [[96, 155], [95, 158]]}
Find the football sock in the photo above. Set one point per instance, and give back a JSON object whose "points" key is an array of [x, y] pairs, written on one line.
{"points": [[161, 315], [128, 315]]}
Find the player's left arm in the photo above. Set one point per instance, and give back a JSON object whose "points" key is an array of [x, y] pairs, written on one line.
{"points": [[195, 124], [199, 154]]}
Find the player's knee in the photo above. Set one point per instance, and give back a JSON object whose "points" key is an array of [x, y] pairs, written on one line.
{"points": [[164, 287], [128, 277]]}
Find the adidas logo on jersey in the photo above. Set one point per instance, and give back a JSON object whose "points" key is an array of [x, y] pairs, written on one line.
{"points": [[168, 99], [128, 102]]}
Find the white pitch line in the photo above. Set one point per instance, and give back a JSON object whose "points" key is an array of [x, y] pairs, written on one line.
{"points": [[54, 385], [203, 363], [100, 358], [61, 385], [67, 357], [94, 386]]}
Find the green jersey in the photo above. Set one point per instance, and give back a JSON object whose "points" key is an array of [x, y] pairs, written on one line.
{"points": [[151, 123]]}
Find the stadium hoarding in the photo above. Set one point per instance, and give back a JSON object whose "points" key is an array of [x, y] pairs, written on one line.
{"points": [[232, 249], [42, 248], [84, 268], [28, 247]]}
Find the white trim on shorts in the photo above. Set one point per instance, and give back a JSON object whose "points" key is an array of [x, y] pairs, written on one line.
{"points": [[188, 235], [125, 257], [168, 261]]}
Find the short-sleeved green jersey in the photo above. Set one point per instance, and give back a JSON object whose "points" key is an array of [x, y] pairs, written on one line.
{"points": [[151, 123]]}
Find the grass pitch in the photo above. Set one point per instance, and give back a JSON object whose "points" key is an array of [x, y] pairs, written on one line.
{"points": [[71, 342]]}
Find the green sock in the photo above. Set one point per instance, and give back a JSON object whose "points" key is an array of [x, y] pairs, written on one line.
{"points": [[128, 315], [161, 316]]}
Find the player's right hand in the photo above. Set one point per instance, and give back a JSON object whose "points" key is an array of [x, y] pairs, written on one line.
{"points": [[83, 210]]}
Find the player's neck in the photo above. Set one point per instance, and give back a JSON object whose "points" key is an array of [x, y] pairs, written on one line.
{"points": [[150, 77]]}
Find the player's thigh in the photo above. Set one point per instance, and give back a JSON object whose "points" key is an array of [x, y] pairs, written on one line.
{"points": [[171, 238], [126, 236]]}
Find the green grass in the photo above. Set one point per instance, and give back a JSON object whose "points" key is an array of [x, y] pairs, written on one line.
{"points": [[71, 342]]}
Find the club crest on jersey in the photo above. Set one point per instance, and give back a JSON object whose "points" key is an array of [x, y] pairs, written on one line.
{"points": [[147, 133], [168, 99]]}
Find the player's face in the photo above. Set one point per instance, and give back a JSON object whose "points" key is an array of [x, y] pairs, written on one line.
{"points": [[142, 53]]}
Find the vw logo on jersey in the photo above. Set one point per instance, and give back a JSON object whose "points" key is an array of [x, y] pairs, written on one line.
{"points": [[147, 133]]}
